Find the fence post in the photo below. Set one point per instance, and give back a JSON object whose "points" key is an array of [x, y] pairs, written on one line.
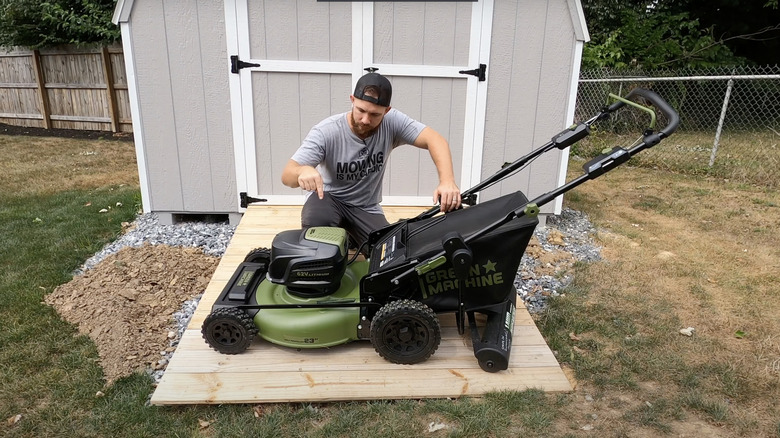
{"points": [[43, 95], [720, 122], [108, 74]]}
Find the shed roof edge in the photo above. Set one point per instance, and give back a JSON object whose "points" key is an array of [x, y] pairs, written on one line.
{"points": [[122, 11], [578, 19]]}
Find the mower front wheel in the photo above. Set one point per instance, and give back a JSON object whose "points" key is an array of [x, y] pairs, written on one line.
{"points": [[405, 332], [228, 330]]}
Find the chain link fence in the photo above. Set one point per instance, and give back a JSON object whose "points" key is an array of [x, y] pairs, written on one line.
{"points": [[729, 120]]}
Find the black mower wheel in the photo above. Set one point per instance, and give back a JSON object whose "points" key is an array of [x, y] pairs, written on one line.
{"points": [[259, 255], [228, 330], [405, 332]]}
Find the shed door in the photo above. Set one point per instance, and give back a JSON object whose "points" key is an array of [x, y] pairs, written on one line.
{"points": [[299, 61]]}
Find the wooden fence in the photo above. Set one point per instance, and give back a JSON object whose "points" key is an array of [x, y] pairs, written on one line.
{"points": [[68, 88]]}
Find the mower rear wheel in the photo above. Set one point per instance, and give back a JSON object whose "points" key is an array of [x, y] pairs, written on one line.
{"points": [[405, 332], [228, 330]]}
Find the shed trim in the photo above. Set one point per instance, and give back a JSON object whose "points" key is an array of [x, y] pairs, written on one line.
{"points": [[236, 102], [137, 120], [481, 36], [570, 108], [122, 11], [578, 20]]}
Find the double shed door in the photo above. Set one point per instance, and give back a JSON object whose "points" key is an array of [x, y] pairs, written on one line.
{"points": [[295, 63]]}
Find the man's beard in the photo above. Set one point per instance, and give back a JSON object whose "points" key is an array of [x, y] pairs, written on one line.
{"points": [[362, 131]]}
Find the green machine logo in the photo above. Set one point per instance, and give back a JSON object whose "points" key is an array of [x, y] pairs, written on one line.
{"points": [[444, 280]]}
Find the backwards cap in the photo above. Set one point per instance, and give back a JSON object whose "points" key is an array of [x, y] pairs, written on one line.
{"points": [[376, 83]]}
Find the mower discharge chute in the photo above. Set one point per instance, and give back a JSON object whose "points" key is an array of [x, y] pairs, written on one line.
{"points": [[303, 293]]}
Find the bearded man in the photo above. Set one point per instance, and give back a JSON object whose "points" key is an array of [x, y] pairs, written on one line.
{"points": [[343, 159]]}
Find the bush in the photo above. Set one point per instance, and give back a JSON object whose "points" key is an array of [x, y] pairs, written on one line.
{"points": [[37, 24]]}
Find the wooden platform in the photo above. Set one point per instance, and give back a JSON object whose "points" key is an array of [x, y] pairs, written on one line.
{"points": [[268, 373]]}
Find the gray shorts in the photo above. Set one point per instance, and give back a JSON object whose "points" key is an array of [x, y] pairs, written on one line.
{"points": [[330, 212]]}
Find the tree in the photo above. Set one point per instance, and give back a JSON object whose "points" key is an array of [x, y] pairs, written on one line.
{"points": [[680, 33], [36, 24], [750, 29]]}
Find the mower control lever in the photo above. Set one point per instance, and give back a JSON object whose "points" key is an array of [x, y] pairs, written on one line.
{"points": [[572, 135], [606, 162]]}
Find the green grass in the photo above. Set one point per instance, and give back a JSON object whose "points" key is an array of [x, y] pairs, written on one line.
{"points": [[648, 349], [45, 366]]}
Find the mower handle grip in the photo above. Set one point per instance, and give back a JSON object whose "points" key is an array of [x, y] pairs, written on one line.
{"points": [[658, 102]]}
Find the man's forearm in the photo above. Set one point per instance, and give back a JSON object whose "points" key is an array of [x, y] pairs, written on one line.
{"points": [[290, 174], [440, 153]]}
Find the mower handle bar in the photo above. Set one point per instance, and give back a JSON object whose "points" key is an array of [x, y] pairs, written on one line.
{"points": [[602, 164], [566, 138]]}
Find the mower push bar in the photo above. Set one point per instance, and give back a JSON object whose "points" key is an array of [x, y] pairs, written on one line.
{"points": [[592, 169]]}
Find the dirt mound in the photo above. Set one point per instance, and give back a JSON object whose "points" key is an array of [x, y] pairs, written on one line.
{"points": [[125, 304]]}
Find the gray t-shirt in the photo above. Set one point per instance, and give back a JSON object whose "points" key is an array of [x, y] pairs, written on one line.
{"points": [[352, 168]]}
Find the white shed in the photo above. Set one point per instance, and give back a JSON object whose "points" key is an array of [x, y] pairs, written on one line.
{"points": [[223, 92]]}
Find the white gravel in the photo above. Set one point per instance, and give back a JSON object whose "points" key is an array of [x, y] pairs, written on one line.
{"points": [[577, 237]]}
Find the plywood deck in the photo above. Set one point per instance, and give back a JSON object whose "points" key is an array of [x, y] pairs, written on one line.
{"points": [[267, 373]]}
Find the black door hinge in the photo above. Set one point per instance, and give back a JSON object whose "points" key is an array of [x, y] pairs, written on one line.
{"points": [[236, 64], [246, 199], [478, 72]]}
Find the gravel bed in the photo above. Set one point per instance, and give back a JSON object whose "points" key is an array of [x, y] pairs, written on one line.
{"points": [[577, 232], [214, 238]]}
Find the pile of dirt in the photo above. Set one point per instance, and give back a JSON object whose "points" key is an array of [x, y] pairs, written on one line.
{"points": [[126, 303]]}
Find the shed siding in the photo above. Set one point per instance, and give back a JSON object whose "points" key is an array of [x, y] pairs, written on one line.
{"points": [[529, 75], [181, 61], [438, 103], [428, 33], [299, 101], [287, 105], [156, 105], [416, 33], [216, 95], [311, 31]]}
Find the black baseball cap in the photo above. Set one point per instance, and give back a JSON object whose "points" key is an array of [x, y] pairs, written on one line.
{"points": [[378, 84]]}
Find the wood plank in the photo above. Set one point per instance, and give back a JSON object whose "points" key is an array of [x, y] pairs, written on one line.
{"points": [[409, 383], [108, 74], [43, 96], [268, 373]]}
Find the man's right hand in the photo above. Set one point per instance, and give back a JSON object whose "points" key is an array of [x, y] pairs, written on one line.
{"points": [[310, 179]]}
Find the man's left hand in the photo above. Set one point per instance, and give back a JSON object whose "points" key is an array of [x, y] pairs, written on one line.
{"points": [[448, 196]]}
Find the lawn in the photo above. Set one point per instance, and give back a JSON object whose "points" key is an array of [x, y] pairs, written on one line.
{"points": [[678, 251]]}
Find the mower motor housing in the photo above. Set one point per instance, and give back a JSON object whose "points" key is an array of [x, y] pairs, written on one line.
{"points": [[310, 262]]}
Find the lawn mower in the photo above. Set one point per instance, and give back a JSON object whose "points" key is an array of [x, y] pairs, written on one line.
{"points": [[304, 293]]}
